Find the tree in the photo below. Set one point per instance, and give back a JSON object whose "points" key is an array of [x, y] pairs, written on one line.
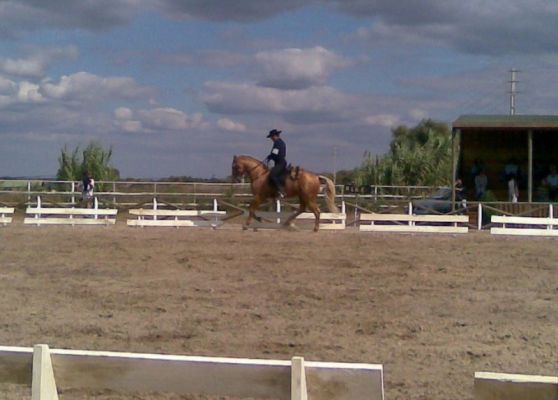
{"points": [[417, 156], [94, 159]]}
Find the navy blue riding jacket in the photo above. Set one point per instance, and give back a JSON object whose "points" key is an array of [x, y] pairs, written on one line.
{"points": [[278, 152]]}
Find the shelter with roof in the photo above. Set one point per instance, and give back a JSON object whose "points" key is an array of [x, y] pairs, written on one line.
{"points": [[495, 141]]}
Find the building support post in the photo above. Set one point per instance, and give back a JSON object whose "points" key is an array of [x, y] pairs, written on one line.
{"points": [[455, 145], [530, 166]]}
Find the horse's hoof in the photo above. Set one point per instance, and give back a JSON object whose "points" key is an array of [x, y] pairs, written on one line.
{"points": [[244, 228]]}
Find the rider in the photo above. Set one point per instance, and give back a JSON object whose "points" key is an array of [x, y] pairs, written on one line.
{"points": [[278, 154]]}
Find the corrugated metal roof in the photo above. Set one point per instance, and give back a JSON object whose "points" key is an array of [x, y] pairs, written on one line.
{"points": [[507, 121]]}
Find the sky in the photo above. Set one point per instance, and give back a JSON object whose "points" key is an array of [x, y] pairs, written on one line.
{"points": [[178, 87]]}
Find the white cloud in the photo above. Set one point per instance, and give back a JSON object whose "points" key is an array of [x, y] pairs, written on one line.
{"points": [[298, 68], [84, 86], [29, 93], [155, 120], [314, 103], [7, 86], [123, 113], [230, 125], [164, 118], [131, 126], [385, 120], [33, 67]]}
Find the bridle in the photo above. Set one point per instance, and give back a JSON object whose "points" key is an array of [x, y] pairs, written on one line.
{"points": [[259, 164]]}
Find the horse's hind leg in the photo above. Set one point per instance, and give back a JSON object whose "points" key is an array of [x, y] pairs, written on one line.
{"points": [[252, 212], [313, 206], [300, 210]]}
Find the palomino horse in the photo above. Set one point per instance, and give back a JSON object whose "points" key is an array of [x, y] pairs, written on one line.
{"points": [[304, 184]]}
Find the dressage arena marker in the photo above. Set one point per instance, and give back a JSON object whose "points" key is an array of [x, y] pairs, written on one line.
{"points": [[275, 219], [47, 370], [494, 386], [70, 216], [178, 218], [5, 215], [527, 226], [408, 223]]}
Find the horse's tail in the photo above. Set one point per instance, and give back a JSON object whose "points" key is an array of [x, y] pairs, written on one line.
{"points": [[329, 193]]}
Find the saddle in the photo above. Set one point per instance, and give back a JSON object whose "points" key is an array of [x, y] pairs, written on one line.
{"points": [[290, 172]]}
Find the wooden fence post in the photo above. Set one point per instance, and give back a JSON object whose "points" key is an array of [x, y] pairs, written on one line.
{"points": [[43, 386], [298, 379]]}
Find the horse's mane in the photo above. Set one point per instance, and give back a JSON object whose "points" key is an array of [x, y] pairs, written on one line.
{"points": [[254, 159]]}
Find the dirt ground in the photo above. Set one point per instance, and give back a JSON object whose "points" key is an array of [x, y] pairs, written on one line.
{"points": [[431, 309]]}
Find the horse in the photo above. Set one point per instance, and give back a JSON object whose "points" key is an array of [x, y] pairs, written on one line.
{"points": [[299, 182]]}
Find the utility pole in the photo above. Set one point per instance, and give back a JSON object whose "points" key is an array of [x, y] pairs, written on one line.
{"points": [[334, 165], [513, 91]]}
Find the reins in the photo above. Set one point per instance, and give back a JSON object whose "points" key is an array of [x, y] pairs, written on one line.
{"points": [[259, 164]]}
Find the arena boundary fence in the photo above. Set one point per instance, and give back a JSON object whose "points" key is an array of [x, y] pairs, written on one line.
{"points": [[156, 216], [276, 219], [69, 216], [411, 223], [525, 225], [496, 386], [6, 215], [47, 370]]}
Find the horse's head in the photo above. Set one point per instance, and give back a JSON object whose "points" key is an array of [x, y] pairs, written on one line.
{"points": [[238, 169]]}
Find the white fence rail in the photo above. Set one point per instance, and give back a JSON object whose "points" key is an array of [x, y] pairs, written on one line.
{"points": [[6, 215], [49, 370], [120, 191], [496, 386], [155, 216], [40, 215]]}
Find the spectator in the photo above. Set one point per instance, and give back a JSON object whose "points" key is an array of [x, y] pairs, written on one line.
{"points": [[481, 182], [513, 190], [552, 182], [511, 170], [87, 185]]}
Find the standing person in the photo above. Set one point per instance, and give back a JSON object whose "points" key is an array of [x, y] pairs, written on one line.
{"points": [[481, 182], [278, 156], [552, 183], [87, 186], [513, 190]]}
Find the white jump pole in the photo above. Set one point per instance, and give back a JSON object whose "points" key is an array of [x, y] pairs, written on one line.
{"points": [[550, 215], [37, 215], [154, 207], [479, 217]]}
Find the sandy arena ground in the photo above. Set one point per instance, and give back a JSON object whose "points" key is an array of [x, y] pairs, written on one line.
{"points": [[431, 309]]}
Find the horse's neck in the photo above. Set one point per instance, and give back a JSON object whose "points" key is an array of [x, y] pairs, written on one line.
{"points": [[255, 168]]}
